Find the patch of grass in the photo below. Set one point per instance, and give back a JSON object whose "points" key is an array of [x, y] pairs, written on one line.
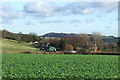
{"points": [[59, 66], [12, 46]]}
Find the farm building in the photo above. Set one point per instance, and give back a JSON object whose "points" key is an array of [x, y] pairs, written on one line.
{"points": [[49, 48], [36, 43]]}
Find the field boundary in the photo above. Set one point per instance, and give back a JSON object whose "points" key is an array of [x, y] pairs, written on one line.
{"points": [[107, 53]]}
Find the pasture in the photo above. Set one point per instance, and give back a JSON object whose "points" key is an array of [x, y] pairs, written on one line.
{"points": [[59, 66], [12, 46]]}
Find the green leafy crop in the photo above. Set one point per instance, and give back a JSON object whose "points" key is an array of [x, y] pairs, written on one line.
{"points": [[59, 66]]}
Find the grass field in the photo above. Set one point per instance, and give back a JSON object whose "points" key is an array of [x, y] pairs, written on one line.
{"points": [[59, 66], [12, 46]]}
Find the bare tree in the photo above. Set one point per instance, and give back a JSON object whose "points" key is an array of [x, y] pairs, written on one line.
{"points": [[97, 38], [68, 47]]}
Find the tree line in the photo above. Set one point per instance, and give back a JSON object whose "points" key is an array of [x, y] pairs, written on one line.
{"points": [[31, 37], [82, 43]]}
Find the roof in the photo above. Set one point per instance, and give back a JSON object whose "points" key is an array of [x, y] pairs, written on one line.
{"points": [[36, 42], [51, 48]]}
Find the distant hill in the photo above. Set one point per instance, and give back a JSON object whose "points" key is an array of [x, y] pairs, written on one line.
{"points": [[108, 39], [58, 35]]}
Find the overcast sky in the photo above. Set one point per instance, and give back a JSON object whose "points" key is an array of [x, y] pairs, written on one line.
{"points": [[68, 17]]}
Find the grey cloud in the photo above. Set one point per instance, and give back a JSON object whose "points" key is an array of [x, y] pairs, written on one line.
{"points": [[105, 6], [76, 25], [87, 7], [108, 27], [88, 20], [0, 21], [100, 15], [43, 21], [76, 21], [8, 18], [6, 21], [75, 8], [52, 21], [12, 15], [6, 8], [58, 21], [8, 14], [29, 23], [39, 8], [44, 9]]}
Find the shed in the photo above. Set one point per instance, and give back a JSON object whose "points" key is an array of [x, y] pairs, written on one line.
{"points": [[51, 48]]}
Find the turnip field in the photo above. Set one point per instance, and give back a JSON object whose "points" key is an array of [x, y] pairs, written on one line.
{"points": [[28, 66]]}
